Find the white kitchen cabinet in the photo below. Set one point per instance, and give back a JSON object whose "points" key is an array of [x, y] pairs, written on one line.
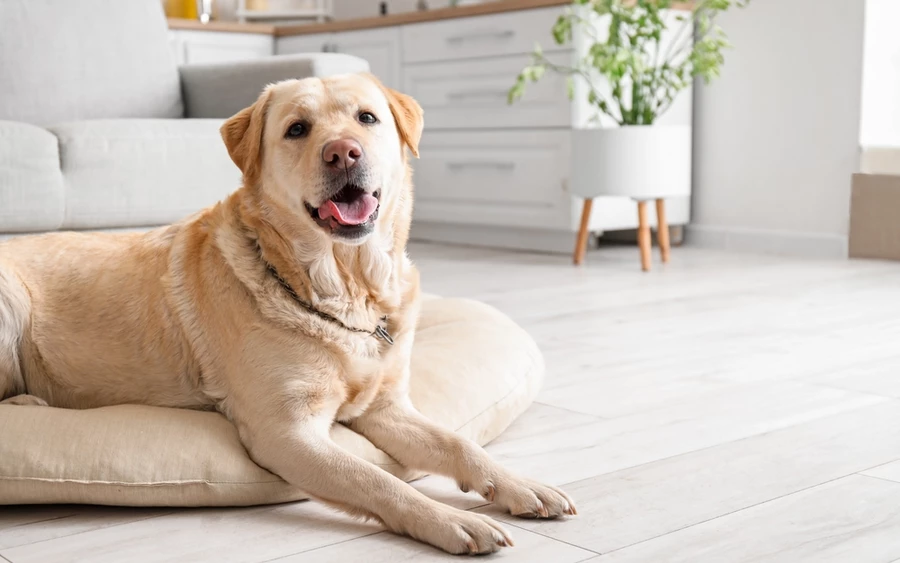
{"points": [[497, 178], [197, 47], [308, 43], [512, 33], [381, 47], [497, 174], [473, 94]]}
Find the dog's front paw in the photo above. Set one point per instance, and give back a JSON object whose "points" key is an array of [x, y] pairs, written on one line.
{"points": [[525, 498], [459, 532]]}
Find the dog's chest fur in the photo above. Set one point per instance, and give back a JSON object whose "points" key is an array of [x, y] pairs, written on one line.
{"points": [[360, 382], [367, 365], [344, 371]]}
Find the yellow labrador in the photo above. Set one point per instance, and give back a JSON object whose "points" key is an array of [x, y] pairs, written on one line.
{"points": [[287, 306]]}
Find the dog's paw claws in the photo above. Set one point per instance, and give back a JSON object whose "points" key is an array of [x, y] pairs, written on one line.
{"points": [[528, 499]]}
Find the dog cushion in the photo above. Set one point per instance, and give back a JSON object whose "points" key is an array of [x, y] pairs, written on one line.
{"points": [[473, 371]]}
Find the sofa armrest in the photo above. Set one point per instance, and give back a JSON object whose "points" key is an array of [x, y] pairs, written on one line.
{"points": [[223, 89]]}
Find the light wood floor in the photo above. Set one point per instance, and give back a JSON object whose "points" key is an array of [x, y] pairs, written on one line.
{"points": [[725, 408]]}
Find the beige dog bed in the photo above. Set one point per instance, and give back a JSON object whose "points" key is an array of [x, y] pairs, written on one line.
{"points": [[473, 370]]}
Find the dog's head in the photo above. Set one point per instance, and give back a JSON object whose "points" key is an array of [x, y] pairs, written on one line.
{"points": [[330, 150]]}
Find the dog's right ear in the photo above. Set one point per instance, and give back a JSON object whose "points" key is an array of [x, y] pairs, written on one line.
{"points": [[408, 116], [243, 133], [407, 112]]}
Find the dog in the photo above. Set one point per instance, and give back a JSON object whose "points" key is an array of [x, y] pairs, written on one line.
{"points": [[287, 306]]}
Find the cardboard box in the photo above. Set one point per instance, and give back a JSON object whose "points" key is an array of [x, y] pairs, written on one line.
{"points": [[875, 217]]}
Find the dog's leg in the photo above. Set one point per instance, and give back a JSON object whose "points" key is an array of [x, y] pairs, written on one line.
{"points": [[15, 310], [302, 453], [413, 440]]}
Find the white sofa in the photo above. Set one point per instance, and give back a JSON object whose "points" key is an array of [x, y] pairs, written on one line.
{"points": [[100, 129]]}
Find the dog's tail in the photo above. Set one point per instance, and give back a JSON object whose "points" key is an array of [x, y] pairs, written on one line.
{"points": [[15, 307]]}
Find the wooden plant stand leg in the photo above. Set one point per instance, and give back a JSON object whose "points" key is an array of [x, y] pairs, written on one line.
{"points": [[582, 239], [662, 232], [644, 235]]}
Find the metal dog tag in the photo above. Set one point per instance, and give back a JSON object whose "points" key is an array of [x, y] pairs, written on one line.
{"points": [[382, 333]]}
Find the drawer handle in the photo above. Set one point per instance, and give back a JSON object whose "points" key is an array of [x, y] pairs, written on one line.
{"points": [[505, 166], [478, 94], [507, 34]]}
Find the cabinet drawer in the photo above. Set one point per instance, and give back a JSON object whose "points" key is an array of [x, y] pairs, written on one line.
{"points": [[479, 36], [380, 47], [494, 178], [199, 47], [461, 95], [312, 43]]}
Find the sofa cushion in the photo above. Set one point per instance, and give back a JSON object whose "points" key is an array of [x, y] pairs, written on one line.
{"points": [[139, 172], [473, 370], [85, 59], [31, 185]]}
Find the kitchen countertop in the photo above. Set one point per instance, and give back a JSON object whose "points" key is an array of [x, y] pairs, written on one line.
{"points": [[230, 26], [496, 7]]}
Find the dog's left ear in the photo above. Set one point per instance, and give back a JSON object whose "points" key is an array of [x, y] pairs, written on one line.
{"points": [[242, 134], [408, 116]]}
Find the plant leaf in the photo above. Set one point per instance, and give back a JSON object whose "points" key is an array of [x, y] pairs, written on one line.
{"points": [[643, 75]]}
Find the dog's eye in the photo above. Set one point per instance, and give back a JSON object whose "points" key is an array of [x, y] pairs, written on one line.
{"points": [[297, 130], [368, 118]]}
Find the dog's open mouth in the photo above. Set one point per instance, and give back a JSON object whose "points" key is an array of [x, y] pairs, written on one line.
{"points": [[351, 209]]}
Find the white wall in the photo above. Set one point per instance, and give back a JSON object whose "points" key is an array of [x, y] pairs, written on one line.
{"points": [[880, 125], [777, 136]]}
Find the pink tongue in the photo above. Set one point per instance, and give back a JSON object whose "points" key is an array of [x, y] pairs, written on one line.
{"points": [[355, 212]]}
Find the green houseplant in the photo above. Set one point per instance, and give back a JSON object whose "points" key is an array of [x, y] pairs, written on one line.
{"points": [[631, 60], [644, 58]]}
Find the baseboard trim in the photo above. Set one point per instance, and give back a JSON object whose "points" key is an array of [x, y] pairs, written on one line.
{"points": [[806, 245], [514, 238], [761, 241]]}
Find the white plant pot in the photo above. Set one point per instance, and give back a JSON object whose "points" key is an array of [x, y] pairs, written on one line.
{"points": [[641, 162]]}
